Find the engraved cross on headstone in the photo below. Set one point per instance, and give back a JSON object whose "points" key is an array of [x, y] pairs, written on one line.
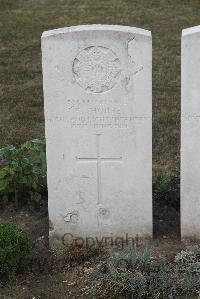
{"points": [[99, 160]]}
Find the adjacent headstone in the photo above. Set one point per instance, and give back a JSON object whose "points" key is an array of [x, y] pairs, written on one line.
{"points": [[190, 134], [98, 103]]}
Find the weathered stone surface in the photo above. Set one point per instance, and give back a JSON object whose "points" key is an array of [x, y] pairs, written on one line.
{"points": [[190, 134], [97, 90]]}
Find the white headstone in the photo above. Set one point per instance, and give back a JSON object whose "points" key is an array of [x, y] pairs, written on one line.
{"points": [[190, 134], [98, 105]]}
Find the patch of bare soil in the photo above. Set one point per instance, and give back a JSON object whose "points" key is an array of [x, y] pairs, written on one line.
{"points": [[50, 276]]}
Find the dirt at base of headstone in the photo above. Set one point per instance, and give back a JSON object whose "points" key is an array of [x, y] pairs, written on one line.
{"points": [[64, 280], [167, 224]]}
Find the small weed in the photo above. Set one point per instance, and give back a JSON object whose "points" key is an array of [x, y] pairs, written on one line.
{"points": [[188, 260], [136, 273], [15, 250]]}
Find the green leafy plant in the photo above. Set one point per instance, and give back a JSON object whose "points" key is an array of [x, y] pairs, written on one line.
{"points": [[23, 172], [15, 249]]}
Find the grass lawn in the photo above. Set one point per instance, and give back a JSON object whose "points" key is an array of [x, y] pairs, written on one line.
{"points": [[21, 25]]}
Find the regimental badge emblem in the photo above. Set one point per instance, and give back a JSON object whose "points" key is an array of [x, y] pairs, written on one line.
{"points": [[96, 69]]}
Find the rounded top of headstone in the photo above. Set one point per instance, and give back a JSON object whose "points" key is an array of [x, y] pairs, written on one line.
{"points": [[191, 30], [97, 27]]}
